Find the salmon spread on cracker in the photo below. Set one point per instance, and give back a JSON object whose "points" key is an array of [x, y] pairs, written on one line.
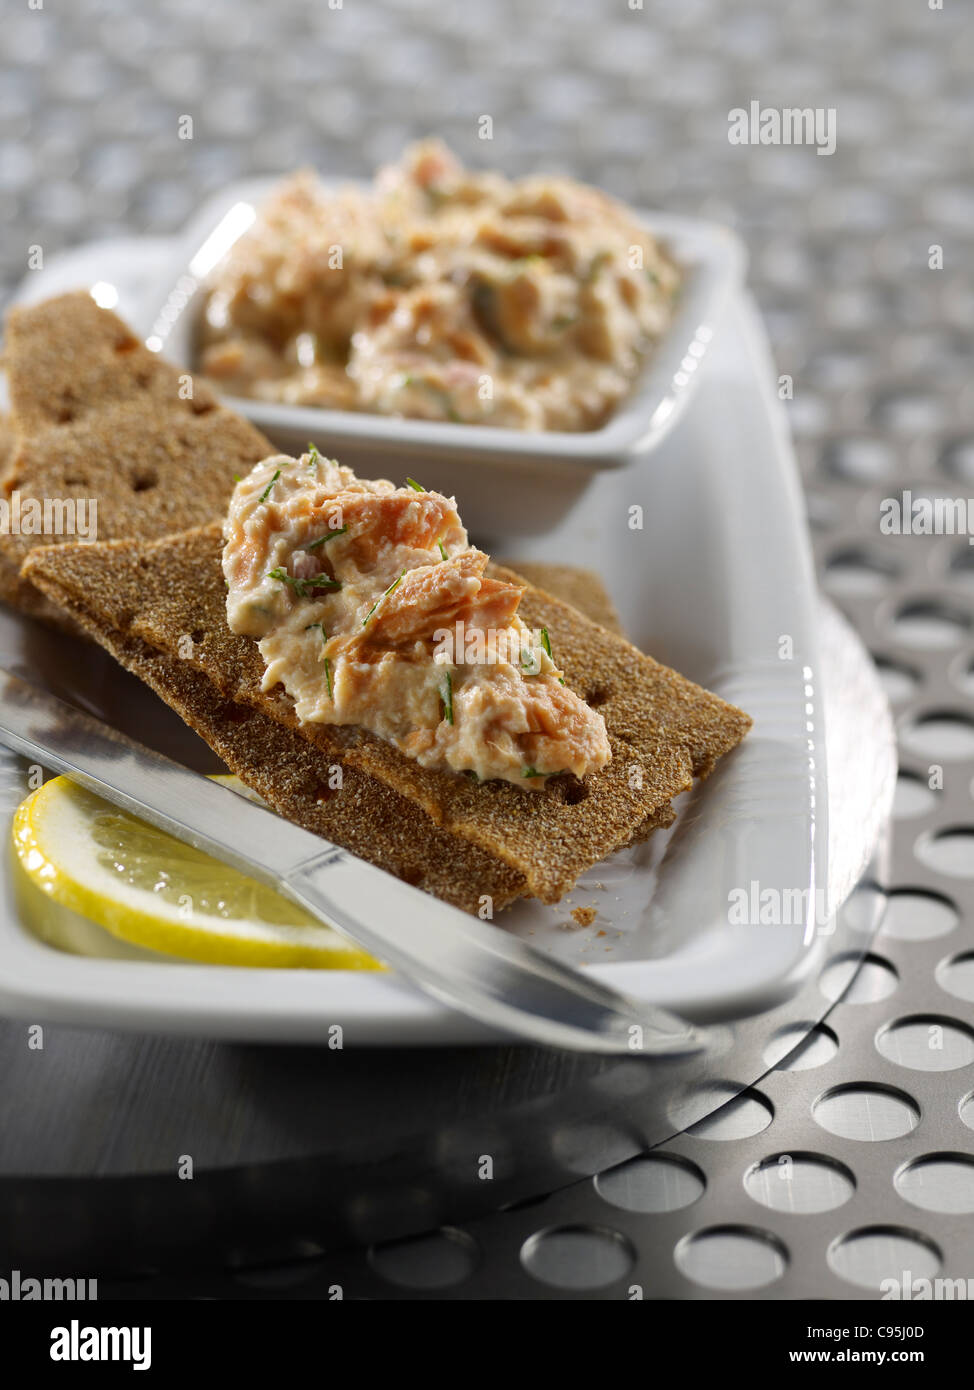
{"points": [[372, 609]]}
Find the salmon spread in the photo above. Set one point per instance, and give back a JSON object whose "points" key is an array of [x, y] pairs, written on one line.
{"points": [[440, 294], [371, 608]]}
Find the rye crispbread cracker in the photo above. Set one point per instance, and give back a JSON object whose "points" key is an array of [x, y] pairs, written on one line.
{"points": [[8, 437], [98, 416], [8, 569], [663, 729]]}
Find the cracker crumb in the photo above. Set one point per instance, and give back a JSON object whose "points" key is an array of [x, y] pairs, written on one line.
{"points": [[585, 916]]}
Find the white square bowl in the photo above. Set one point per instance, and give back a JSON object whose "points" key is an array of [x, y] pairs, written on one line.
{"points": [[518, 482]]}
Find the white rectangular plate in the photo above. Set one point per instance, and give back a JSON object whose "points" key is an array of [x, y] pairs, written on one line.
{"points": [[704, 551]]}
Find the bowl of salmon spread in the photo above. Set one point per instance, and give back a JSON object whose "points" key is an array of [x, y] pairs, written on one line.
{"points": [[440, 294], [525, 330]]}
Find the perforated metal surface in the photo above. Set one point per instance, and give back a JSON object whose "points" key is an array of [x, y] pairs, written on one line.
{"points": [[853, 1160]]}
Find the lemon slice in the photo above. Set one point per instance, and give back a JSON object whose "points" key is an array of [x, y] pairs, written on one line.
{"points": [[159, 894]]}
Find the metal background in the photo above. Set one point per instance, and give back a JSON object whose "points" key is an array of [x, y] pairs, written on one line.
{"points": [[874, 1119]]}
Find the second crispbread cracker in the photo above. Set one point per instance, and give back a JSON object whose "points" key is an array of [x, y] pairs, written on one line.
{"points": [[663, 729], [98, 416]]}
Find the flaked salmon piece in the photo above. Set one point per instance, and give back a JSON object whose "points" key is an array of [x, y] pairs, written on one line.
{"points": [[245, 556], [493, 606], [378, 523], [437, 597]]}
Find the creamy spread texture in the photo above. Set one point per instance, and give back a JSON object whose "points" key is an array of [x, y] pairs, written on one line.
{"points": [[440, 294], [371, 608]]}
